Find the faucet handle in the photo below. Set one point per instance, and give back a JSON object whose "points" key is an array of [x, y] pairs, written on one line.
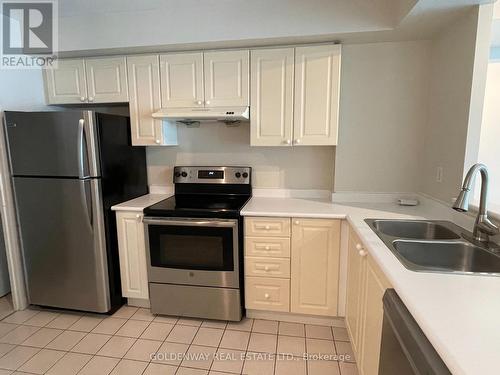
{"points": [[486, 226]]}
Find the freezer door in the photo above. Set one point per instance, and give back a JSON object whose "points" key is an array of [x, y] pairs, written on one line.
{"points": [[64, 247], [56, 144]]}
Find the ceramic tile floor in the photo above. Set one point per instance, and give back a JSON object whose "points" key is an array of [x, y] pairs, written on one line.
{"points": [[55, 343]]}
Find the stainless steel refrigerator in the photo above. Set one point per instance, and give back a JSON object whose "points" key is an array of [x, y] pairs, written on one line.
{"points": [[68, 169]]}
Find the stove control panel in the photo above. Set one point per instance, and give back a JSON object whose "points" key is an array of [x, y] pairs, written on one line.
{"points": [[212, 175]]}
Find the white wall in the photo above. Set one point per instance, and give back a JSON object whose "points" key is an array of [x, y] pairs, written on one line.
{"points": [[383, 110], [452, 86], [89, 25], [21, 89], [489, 150], [216, 144]]}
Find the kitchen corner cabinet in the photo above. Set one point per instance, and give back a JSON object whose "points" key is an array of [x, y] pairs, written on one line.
{"points": [[366, 285], [144, 93], [205, 79], [89, 80], [295, 96], [279, 256], [132, 254]]}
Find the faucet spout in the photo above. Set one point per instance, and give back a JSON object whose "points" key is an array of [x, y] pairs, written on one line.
{"points": [[483, 227]]}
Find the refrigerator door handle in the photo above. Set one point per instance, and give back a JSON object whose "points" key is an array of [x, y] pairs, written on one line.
{"points": [[90, 137], [81, 149], [87, 201], [100, 244]]}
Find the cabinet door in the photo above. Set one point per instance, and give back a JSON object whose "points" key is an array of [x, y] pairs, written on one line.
{"points": [[315, 266], [226, 78], [355, 268], [181, 80], [271, 117], [132, 253], [144, 93], [66, 84], [317, 78], [107, 79], [374, 286]]}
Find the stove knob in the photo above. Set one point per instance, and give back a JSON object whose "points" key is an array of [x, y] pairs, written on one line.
{"points": [[184, 174], [237, 174], [245, 174], [177, 174]]}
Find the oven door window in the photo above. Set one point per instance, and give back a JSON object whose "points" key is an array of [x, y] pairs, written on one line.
{"points": [[191, 247]]}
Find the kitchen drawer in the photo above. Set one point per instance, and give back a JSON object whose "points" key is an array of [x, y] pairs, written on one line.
{"points": [[267, 267], [267, 293], [267, 247], [267, 226]]}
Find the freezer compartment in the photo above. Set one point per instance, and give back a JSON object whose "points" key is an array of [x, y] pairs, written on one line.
{"points": [[56, 144], [64, 247]]}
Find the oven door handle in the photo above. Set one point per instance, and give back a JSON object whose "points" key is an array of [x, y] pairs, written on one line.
{"points": [[192, 223]]}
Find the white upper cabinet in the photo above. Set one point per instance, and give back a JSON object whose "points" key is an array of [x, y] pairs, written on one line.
{"points": [[181, 80], [91, 80], [271, 112], [145, 99], [317, 84], [210, 79], [295, 96], [107, 80], [66, 84], [226, 78]]}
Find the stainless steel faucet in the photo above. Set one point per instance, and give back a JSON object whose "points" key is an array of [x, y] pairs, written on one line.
{"points": [[483, 227]]}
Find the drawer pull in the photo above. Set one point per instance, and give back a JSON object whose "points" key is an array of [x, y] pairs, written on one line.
{"points": [[359, 246], [268, 247], [267, 227], [266, 268], [362, 253], [266, 296]]}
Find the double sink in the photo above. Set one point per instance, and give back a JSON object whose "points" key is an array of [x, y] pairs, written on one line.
{"points": [[435, 246]]}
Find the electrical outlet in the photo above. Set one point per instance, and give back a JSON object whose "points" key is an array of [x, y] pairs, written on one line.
{"points": [[439, 174]]}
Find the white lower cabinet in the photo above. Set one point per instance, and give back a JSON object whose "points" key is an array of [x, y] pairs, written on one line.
{"points": [[292, 265], [366, 285], [266, 293], [315, 266], [132, 253]]}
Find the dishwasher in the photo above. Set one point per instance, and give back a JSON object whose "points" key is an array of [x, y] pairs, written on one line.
{"points": [[405, 350]]}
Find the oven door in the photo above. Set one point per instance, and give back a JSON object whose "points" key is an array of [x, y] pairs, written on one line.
{"points": [[190, 251]]}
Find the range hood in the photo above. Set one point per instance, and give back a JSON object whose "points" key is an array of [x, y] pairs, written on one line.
{"points": [[190, 115]]}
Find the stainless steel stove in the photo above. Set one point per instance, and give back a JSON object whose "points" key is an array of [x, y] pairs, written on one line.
{"points": [[195, 244]]}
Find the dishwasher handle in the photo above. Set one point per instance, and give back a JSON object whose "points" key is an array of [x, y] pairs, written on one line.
{"points": [[418, 350]]}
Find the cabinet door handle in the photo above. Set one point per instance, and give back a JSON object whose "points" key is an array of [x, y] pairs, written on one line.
{"points": [[138, 217], [207, 102], [359, 246], [266, 296], [82, 99], [363, 253], [199, 102], [297, 222], [297, 141], [287, 141], [91, 99], [157, 141]]}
